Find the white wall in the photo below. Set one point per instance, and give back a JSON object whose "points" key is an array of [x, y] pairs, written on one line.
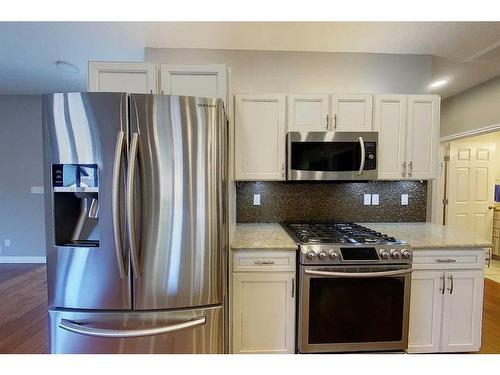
{"points": [[271, 71], [21, 213], [472, 109]]}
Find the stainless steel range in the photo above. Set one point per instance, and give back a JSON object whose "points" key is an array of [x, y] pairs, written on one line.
{"points": [[354, 288]]}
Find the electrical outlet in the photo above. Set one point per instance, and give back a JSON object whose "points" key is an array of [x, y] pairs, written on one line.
{"points": [[7, 242], [256, 199], [404, 199], [375, 199], [367, 199], [37, 190]]}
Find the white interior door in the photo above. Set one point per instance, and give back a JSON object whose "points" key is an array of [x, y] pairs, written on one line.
{"points": [[471, 186]]}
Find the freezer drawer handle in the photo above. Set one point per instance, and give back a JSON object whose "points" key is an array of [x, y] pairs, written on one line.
{"points": [[100, 332], [359, 274]]}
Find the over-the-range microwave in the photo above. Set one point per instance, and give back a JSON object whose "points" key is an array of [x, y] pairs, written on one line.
{"points": [[332, 156]]}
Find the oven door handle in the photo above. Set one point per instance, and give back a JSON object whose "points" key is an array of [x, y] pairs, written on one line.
{"points": [[363, 155], [359, 274]]}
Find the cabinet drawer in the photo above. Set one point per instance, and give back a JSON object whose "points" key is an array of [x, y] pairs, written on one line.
{"points": [[448, 259], [263, 261]]}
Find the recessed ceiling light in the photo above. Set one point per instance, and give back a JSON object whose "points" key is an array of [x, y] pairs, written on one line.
{"points": [[438, 83], [66, 66]]}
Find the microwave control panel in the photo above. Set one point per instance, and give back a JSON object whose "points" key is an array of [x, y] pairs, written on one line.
{"points": [[371, 156]]}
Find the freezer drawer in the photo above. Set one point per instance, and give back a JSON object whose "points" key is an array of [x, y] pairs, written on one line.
{"points": [[195, 331]]}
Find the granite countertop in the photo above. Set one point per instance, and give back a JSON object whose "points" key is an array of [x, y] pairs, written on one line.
{"points": [[430, 236], [263, 237]]}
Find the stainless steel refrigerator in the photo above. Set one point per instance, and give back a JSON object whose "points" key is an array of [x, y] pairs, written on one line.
{"points": [[136, 222]]}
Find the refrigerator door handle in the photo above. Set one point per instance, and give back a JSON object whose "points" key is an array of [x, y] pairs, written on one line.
{"points": [[116, 204], [132, 239], [81, 329]]}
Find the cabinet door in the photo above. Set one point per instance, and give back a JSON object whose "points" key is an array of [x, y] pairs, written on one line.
{"points": [[308, 112], [352, 112], [194, 80], [134, 78], [264, 312], [426, 309], [422, 140], [390, 122], [463, 306], [259, 137]]}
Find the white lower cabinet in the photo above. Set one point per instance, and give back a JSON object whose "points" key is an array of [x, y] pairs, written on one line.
{"points": [[446, 307], [263, 311]]}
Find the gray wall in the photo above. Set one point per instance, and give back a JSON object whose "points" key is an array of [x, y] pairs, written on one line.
{"points": [[275, 71], [21, 212], [472, 109]]}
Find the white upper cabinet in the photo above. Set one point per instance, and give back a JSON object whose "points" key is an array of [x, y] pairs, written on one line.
{"points": [[390, 122], [137, 78], [260, 137], [422, 139], [308, 112], [408, 127], [352, 112], [194, 80]]}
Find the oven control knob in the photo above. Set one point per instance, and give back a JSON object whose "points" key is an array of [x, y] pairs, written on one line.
{"points": [[322, 255], [405, 254], [384, 254], [311, 255], [395, 254], [334, 255]]}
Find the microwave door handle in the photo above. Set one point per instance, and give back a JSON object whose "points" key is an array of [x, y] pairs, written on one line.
{"points": [[359, 274], [363, 155]]}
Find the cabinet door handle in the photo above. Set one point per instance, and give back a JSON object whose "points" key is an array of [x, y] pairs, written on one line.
{"points": [[450, 289], [403, 173], [449, 260], [263, 262], [410, 168], [335, 121], [442, 289], [293, 287], [327, 122]]}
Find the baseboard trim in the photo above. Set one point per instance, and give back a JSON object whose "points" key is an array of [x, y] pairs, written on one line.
{"points": [[7, 259], [470, 133]]}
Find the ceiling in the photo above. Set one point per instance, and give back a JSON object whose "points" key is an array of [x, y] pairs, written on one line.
{"points": [[28, 50]]}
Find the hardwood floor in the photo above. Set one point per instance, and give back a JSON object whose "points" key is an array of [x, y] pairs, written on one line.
{"points": [[24, 322], [23, 309]]}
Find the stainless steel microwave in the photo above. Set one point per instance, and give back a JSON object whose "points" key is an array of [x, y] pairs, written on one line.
{"points": [[332, 156]]}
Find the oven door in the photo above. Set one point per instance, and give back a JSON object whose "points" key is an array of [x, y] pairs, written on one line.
{"points": [[353, 308], [332, 156]]}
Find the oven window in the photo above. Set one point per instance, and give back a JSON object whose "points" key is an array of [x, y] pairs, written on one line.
{"points": [[326, 156], [345, 310]]}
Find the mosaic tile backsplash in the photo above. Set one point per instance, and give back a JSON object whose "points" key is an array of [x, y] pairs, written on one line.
{"points": [[330, 201]]}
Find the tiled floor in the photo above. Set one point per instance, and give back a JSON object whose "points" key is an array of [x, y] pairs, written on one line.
{"points": [[493, 271]]}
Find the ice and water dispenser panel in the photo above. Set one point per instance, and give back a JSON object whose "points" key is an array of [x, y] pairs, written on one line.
{"points": [[76, 204]]}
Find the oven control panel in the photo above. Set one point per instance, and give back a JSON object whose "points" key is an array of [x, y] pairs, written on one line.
{"points": [[327, 254]]}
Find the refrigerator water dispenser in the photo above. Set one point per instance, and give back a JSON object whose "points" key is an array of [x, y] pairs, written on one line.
{"points": [[76, 205]]}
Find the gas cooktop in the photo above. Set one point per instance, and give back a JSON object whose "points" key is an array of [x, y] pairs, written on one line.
{"points": [[343, 242]]}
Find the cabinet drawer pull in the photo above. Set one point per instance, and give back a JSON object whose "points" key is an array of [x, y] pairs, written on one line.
{"points": [[263, 262], [446, 260]]}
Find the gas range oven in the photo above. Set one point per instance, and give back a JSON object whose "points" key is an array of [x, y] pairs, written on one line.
{"points": [[354, 288]]}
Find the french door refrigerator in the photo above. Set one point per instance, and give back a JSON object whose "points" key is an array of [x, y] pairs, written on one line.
{"points": [[136, 222]]}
